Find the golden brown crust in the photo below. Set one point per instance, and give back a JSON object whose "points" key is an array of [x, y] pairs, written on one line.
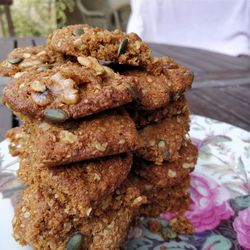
{"points": [[162, 141], [75, 89], [169, 173], [40, 221], [81, 186], [30, 57], [71, 141], [143, 118], [101, 44]]}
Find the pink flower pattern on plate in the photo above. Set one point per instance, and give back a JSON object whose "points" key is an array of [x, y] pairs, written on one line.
{"points": [[208, 203], [241, 225]]}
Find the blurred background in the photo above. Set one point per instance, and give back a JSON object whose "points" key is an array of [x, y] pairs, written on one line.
{"points": [[38, 18]]}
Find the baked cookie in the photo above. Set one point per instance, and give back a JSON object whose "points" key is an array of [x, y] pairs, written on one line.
{"points": [[75, 90], [76, 140], [161, 200], [143, 118], [22, 59], [81, 186], [41, 222], [161, 141], [166, 81], [169, 173], [115, 46]]}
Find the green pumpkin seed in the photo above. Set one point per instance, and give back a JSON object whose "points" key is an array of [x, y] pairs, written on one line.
{"points": [[161, 144], [78, 32], [75, 242], [55, 115], [44, 67], [122, 46], [15, 60]]}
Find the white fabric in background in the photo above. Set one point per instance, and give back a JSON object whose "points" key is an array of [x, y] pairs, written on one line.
{"points": [[217, 25]]}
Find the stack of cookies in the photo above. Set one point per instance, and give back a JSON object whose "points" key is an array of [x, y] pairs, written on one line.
{"points": [[103, 139]]}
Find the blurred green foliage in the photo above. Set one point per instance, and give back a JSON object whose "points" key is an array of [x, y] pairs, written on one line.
{"points": [[38, 18]]}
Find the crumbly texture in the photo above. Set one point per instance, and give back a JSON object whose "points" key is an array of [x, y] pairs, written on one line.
{"points": [[77, 90], [81, 186], [41, 221], [161, 141], [165, 82], [160, 200], [30, 57], [143, 118], [101, 44], [98, 136], [169, 173]]}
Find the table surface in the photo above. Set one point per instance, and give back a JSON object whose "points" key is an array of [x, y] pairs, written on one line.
{"points": [[221, 88]]}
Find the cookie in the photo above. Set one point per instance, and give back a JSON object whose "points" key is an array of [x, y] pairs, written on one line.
{"points": [[161, 200], [41, 221], [161, 141], [81, 186], [155, 89], [114, 46], [143, 118], [97, 136], [169, 173], [75, 90], [22, 59]]}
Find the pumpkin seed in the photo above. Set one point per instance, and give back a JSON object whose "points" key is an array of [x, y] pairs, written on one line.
{"points": [[44, 67], [55, 115], [75, 242], [15, 60], [78, 32], [122, 46]]}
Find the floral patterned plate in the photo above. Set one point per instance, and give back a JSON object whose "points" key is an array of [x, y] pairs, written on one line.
{"points": [[220, 194]]}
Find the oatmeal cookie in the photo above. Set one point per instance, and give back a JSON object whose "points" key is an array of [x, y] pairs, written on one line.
{"points": [[71, 89], [97, 136], [160, 200], [41, 221], [143, 118], [115, 46], [81, 186], [169, 173], [161, 141]]}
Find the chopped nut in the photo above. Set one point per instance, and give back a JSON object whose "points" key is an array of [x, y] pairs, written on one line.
{"points": [[171, 173], [26, 215], [64, 88], [137, 44], [44, 126], [92, 63], [89, 211], [187, 165], [67, 137], [42, 53], [78, 42], [101, 146], [26, 64], [18, 74], [122, 141], [41, 99], [38, 86], [109, 72], [26, 55]]}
